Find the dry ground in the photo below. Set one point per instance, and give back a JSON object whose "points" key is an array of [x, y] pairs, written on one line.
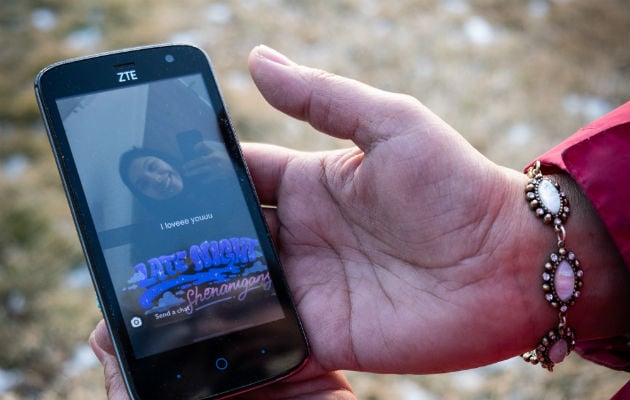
{"points": [[514, 77]]}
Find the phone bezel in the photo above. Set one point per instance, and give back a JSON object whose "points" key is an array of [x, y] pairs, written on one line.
{"points": [[96, 73]]}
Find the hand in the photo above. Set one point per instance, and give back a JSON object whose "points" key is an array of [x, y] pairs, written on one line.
{"points": [[210, 161], [411, 252], [402, 252]]}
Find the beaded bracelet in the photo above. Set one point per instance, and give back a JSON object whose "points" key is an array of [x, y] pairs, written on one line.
{"points": [[562, 275]]}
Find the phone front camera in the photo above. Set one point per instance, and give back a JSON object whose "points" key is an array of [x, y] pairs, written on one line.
{"points": [[169, 58]]}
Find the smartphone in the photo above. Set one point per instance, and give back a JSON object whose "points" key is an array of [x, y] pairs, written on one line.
{"points": [[181, 259]]}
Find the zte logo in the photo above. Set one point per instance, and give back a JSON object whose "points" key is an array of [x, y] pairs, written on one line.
{"points": [[127, 76]]}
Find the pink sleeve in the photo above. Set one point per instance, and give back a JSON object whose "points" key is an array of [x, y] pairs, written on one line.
{"points": [[597, 157]]}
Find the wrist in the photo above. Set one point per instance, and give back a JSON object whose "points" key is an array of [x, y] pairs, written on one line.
{"points": [[603, 302], [530, 244]]}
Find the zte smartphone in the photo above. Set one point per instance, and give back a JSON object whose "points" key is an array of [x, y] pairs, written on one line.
{"points": [[183, 265]]}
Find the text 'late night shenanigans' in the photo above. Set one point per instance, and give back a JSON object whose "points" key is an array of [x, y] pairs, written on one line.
{"points": [[204, 274]]}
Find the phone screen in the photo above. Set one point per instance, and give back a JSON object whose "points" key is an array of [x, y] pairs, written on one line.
{"points": [[174, 228], [169, 222]]}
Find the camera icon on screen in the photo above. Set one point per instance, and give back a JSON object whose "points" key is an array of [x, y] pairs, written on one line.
{"points": [[136, 322]]}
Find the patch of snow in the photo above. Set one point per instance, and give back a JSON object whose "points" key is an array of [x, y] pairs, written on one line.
{"points": [[479, 31], [410, 391], [219, 13], [590, 107], [85, 39], [519, 134], [43, 19], [195, 37], [78, 278], [538, 8], [82, 359], [8, 379], [459, 7], [15, 166]]}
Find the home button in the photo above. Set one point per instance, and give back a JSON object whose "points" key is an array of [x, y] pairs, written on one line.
{"points": [[221, 364]]}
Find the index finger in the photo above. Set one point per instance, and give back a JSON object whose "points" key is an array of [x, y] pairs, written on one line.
{"points": [[267, 165]]}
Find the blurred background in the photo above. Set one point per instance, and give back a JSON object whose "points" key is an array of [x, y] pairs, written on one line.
{"points": [[514, 77]]}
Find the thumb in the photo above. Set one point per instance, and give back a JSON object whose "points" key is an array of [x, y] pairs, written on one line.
{"points": [[338, 106], [103, 349]]}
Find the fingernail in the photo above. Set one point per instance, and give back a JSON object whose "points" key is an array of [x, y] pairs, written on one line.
{"points": [[272, 55]]}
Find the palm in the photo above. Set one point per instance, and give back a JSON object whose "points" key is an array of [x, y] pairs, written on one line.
{"points": [[385, 254], [353, 255]]}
